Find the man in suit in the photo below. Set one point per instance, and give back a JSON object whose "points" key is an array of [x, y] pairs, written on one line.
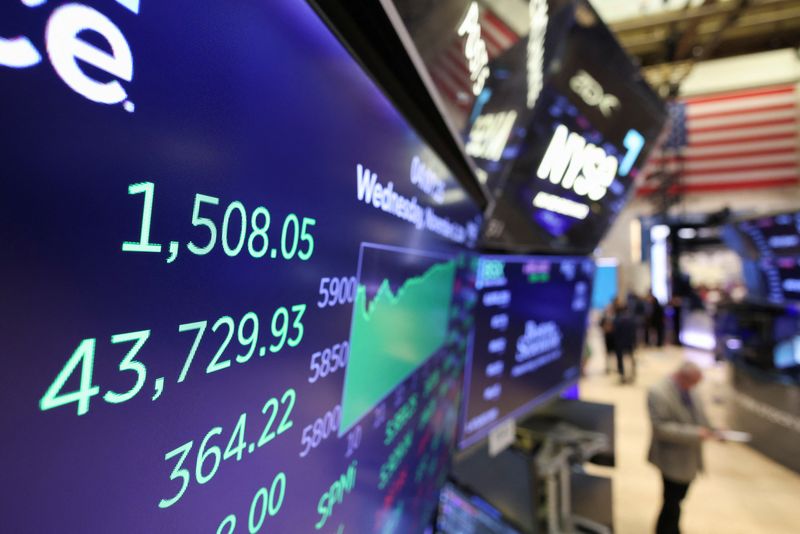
{"points": [[679, 426]]}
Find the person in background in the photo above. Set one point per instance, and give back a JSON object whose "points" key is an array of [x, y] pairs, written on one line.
{"points": [[676, 304], [624, 340], [638, 307], [655, 320], [607, 326], [679, 426]]}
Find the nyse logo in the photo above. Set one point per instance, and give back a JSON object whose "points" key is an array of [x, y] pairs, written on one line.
{"points": [[577, 165], [65, 48], [592, 93]]}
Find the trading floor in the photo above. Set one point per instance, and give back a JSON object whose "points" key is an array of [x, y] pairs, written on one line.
{"points": [[742, 490]]}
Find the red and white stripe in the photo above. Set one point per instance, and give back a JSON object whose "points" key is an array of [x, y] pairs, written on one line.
{"points": [[449, 68], [740, 140]]}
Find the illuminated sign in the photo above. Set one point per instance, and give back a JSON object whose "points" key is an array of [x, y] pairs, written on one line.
{"points": [[583, 167], [577, 165], [489, 135], [592, 93], [475, 49], [537, 11], [561, 205], [67, 51]]}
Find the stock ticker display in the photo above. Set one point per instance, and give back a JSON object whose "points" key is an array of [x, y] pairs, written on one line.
{"points": [[530, 323], [236, 298]]}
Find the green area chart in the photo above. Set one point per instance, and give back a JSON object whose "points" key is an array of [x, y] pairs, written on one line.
{"points": [[394, 335]]}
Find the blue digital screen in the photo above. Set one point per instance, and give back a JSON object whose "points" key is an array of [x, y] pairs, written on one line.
{"points": [[463, 513], [604, 288], [201, 204], [787, 353], [530, 324], [771, 236]]}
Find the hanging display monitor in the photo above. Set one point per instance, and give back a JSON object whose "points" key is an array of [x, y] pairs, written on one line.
{"points": [[587, 140], [485, 64], [552, 111], [236, 298], [530, 324], [776, 235], [776, 280]]}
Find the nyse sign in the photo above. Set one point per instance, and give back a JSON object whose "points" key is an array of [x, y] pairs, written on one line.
{"points": [[577, 165], [584, 168]]}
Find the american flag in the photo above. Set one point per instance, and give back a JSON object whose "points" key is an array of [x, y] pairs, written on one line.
{"points": [[449, 68], [736, 140]]}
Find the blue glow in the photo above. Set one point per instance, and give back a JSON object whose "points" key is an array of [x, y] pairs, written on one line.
{"points": [[634, 142]]}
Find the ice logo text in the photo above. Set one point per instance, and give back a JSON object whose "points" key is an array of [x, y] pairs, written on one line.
{"points": [[65, 48]]}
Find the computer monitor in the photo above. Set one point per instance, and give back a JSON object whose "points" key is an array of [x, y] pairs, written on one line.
{"points": [[461, 512], [528, 338], [204, 205], [773, 279], [769, 236]]}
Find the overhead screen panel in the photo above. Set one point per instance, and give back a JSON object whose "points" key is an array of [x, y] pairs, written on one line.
{"points": [[530, 324], [776, 280], [770, 250], [552, 111], [776, 235], [214, 214]]}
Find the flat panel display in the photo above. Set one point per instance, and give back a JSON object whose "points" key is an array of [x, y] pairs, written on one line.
{"points": [[211, 215], [553, 112], [605, 286], [464, 513], [787, 353], [771, 279], [776, 235], [530, 324]]}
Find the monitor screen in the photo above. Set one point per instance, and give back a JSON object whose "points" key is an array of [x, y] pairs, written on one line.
{"points": [[463, 513], [776, 280], [554, 114], [605, 285], [776, 235], [213, 214], [530, 323], [787, 353]]}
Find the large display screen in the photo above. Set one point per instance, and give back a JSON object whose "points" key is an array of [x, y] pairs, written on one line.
{"points": [[530, 324], [776, 235], [461, 512], [553, 112], [779, 279], [235, 295]]}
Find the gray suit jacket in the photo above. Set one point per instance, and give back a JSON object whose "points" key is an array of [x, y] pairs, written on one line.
{"points": [[676, 446]]}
